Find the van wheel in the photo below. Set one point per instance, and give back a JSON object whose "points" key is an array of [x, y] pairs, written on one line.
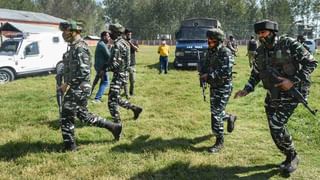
{"points": [[59, 67], [6, 75]]}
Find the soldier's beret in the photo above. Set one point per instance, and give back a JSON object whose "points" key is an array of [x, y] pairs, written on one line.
{"points": [[265, 25], [116, 28]]}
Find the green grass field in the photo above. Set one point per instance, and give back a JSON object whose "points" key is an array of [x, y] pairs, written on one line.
{"points": [[168, 141]]}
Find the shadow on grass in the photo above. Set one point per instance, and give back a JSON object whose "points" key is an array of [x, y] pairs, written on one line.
{"points": [[182, 170], [13, 150], [142, 144]]}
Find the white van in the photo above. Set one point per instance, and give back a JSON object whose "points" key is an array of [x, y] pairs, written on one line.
{"points": [[30, 54]]}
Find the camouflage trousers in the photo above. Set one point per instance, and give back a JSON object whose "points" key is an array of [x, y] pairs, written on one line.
{"points": [[278, 114], [219, 97], [251, 55], [132, 79], [75, 105], [114, 99]]}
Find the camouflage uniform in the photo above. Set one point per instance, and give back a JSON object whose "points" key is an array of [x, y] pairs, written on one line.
{"points": [[219, 61], [119, 65], [76, 73], [218, 65], [232, 45], [293, 62]]}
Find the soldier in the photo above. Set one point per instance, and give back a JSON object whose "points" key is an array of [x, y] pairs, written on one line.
{"points": [[134, 47], [251, 50], [119, 65], [293, 64], [76, 76], [217, 71], [232, 45]]}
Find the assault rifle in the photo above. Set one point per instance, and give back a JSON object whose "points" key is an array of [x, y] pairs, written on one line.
{"points": [[95, 82], [293, 91], [59, 81], [203, 83]]}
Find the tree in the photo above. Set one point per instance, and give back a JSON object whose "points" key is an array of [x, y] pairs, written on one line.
{"points": [[26, 5]]}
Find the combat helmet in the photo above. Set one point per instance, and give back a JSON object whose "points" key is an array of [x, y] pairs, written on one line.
{"points": [[216, 34], [70, 25], [265, 25], [116, 28]]}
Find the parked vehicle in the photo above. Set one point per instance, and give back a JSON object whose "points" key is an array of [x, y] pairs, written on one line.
{"points": [[191, 39], [30, 54], [311, 44]]}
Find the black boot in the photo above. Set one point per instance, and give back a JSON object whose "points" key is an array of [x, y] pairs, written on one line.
{"points": [[136, 110], [217, 146], [291, 163], [69, 146], [114, 128], [131, 90], [231, 120]]}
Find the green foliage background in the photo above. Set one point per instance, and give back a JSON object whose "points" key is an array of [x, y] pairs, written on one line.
{"points": [[147, 18], [169, 141]]}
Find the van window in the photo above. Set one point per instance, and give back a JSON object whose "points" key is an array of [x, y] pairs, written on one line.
{"points": [[55, 40], [32, 49], [9, 46]]}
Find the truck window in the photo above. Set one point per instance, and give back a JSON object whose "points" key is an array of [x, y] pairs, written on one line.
{"points": [[32, 49], [192, 33]]}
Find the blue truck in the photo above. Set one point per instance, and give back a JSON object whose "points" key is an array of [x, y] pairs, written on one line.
{"points": [[191, 39]]}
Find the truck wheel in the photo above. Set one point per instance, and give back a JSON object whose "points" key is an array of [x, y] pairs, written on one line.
{"points": [[6, 75], [59, 67]]}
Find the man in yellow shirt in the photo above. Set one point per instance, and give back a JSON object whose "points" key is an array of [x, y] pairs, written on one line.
{"points": [[163, 50]]}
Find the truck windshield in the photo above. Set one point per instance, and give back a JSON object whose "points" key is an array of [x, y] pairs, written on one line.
{"points": [[9, 47], [192, 33]]}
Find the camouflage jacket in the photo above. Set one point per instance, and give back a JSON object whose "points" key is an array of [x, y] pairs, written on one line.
{"points": [[120, 56], [76, 63], [288, 57], [218, 64]]}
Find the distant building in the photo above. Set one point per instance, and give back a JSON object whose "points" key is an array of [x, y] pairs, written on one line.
{"points": [[14, 22], [28, 17]]}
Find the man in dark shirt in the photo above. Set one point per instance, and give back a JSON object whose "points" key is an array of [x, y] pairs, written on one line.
{"points": [[102, 56], [134, 47]]}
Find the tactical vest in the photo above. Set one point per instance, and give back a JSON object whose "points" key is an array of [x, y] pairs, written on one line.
{"points": [[215, 61], [124, 50], [252, 45], [281, 59], [72, 62]]}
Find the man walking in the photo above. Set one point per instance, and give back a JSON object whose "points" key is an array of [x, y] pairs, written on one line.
{"points": [[119, 64], [77, 88]]}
